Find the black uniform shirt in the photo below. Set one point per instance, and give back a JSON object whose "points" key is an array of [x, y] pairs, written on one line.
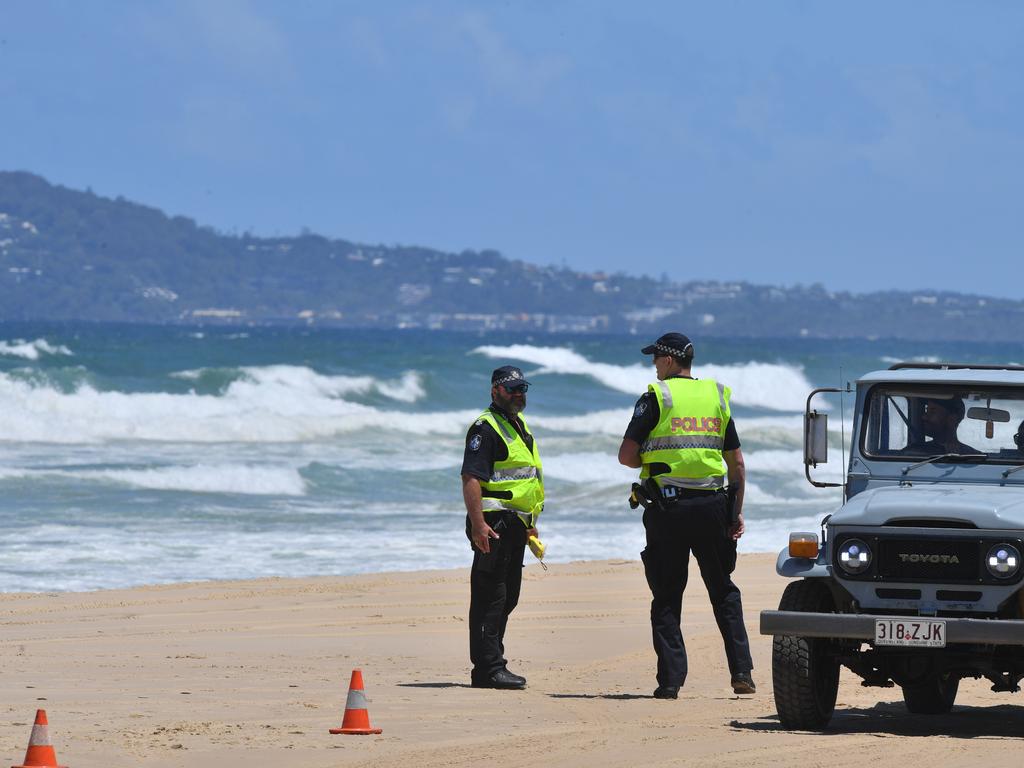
{"points": [[484, 446], [647, 414]]}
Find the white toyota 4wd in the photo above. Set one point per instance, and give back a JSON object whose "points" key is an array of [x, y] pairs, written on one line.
{"points": [[917, 577]]}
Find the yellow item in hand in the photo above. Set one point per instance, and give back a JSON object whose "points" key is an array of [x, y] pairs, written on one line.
{"points": [[538, 549]]}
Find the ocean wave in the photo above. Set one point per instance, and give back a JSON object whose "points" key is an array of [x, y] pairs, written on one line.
{"points": [[596, 469], [782, 471], [794, 493], [291, 379], [392, 459], [608, 422], [284, 409], [301, 380], [31, 350], [773, 386], [781, 462], [760, 431], [199, 478], [632, 379], [283, 406], [912, 359]]}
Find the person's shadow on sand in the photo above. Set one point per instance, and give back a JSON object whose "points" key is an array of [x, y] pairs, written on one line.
{"points": [[1005, 720], [614, 696], [618, 696], [434, 685]]}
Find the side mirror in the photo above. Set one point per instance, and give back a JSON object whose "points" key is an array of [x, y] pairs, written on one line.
{"points": [[815, 438]]}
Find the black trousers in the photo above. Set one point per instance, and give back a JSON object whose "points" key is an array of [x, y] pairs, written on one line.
{"points": [[699, 525], [495, 582]]}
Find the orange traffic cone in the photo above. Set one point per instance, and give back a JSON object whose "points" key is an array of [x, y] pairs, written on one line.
{"points": [[40, 752], [357, 718]]}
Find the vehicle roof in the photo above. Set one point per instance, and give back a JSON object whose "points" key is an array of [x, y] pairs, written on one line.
{"points": [[940, 375]]}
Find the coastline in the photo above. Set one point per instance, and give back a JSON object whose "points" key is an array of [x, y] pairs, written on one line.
{"points": [[255, 672]]}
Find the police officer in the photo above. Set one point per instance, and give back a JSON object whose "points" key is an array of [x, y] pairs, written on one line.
{"points": [[680, 433], [503, 488]]}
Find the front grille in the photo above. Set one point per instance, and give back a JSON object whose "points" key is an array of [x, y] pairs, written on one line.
{"points": [[958, 595], [946, 560], [899, 594], [926, 558]]}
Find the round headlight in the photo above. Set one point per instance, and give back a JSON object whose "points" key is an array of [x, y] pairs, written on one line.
{"points": [[854, 556], [1003, 561]]}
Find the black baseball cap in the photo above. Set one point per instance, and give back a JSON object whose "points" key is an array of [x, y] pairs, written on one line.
{"points": [[675, 344], [508, 374]]}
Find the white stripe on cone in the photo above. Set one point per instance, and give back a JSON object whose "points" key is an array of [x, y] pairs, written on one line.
{"points": [[356, 699]]}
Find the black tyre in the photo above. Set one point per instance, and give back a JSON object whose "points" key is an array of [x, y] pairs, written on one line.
{"points": [[805, 677], [934, 695]]}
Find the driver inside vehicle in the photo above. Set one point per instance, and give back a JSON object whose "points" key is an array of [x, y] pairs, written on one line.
{"points": [[940, 418], [1018, 438]]}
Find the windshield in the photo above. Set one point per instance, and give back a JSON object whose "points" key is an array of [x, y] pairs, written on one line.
{"points": [[921, 421]]}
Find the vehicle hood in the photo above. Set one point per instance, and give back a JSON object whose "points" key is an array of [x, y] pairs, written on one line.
{"points": [[985, 507]]}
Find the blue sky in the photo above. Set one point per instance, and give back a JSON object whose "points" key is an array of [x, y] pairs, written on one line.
{"points": [[865, 146]]}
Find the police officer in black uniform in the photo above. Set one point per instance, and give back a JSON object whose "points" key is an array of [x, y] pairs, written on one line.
{"points": [[498, 529], [679, 519]]}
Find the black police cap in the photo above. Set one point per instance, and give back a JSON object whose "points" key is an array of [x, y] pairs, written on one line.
{"points": [[675, 344], [508, 374]]}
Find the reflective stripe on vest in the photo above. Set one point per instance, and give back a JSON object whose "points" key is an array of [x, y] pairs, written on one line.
{"points": [[690, 434], [516, 483], [506, 431], [668, 443], [522, 473]]}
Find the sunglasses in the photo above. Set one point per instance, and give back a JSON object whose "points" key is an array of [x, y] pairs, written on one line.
{"points": [[517, 388]]}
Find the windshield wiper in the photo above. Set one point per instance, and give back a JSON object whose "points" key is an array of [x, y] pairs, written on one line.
{"points": [[1011, 470], [945, 457]]}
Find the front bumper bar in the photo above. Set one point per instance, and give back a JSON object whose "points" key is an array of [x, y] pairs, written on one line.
{"points": [[862, 627]]}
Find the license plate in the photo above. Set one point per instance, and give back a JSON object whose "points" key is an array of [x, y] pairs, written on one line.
{"points": [[924, 634]]}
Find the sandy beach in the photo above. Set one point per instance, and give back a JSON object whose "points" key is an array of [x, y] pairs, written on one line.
{"points": [[254, 674]]}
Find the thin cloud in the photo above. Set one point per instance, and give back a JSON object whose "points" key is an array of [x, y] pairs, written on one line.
{"points": [[513, 73], [365, 40], [241, 39]]}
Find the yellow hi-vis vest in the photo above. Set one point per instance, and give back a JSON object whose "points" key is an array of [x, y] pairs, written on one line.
{"points": [[690, 434], [517, 483]]}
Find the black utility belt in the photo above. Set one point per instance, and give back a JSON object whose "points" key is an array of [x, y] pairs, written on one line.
{"points": [[672, 493]]}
